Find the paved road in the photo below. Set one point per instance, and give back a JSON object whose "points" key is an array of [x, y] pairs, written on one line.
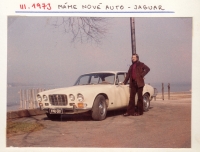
{"points": [[166, 125]]}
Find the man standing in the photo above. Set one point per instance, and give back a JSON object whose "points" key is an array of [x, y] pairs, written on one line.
{"points": [[135, 75]]}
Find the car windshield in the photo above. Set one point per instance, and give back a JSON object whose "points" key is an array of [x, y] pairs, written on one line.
{"points": [[96, 78]]}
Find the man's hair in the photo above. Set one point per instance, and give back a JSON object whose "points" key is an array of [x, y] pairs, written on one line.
{"points": [[136, 55]]}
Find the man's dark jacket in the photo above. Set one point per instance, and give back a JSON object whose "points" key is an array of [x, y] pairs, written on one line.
{"points": [[141, 71]]}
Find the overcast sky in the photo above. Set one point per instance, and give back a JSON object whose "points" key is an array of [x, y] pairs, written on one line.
{"points": [[40, 54]]}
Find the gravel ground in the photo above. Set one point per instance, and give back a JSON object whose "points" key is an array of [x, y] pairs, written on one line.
{"points": [[166, 125]]}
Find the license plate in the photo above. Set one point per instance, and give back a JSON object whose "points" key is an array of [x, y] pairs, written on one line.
{"points": [[55, 111]]}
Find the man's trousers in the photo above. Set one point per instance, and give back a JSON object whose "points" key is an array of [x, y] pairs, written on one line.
{"points": [[131, 107]]}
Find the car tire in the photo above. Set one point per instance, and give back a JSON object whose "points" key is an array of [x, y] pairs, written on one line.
{"points": [[53, 116], [146, 102], [99, 109]]}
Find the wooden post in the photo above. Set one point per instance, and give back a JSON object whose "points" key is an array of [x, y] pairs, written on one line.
{"points": [[168, 91], [31, 98], [25, 98], [35, 94], [28, 96], [163, 91], [34, 103], [22, 99], [35, 98], [20, 96], [133, 40]]}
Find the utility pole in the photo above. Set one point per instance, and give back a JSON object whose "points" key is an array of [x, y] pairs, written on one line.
{"points": [[133, 40]]}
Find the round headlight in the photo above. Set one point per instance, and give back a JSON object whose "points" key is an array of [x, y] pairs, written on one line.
{"points": [[39, 98], [45, 98], [72, 97], [80, 97]]}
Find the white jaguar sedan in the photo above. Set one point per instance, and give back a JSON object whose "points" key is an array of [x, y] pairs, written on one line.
{"points": [[97, 92]]}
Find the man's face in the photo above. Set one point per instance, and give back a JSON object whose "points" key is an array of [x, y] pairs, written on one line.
{"points": [[134, 58]]}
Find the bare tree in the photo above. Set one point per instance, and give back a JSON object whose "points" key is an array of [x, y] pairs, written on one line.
{"points": [[83, 29]]}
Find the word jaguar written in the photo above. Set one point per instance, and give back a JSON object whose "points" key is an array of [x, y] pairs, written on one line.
{"points": [[145, 7]]}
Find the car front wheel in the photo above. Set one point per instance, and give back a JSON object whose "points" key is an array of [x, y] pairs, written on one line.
{"points": [[146, 102], [99, 108]]}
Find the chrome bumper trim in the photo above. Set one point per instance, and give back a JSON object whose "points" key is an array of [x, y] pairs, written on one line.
{"points": [[72, 110]]}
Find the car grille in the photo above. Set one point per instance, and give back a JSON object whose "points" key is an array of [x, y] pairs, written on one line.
{"points": [[58, 99]]}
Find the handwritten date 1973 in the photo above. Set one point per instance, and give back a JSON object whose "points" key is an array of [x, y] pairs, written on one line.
{"points": [[36, 6]]}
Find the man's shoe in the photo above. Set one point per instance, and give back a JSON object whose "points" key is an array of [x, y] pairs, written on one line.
{"points": [[126, 114]]}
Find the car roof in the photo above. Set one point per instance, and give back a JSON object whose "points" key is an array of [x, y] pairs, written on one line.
{"points": [[114, 72]]}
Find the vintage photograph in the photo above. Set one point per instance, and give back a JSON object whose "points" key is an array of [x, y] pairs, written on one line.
{"points": [[99, 82]]}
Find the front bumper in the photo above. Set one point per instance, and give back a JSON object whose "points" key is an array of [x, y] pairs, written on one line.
{"points": [[66, 110]]}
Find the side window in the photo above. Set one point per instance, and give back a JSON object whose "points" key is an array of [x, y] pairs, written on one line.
{"points": [[110, 79], [120, 78]]}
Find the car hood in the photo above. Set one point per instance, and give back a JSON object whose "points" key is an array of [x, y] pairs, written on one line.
{"points": [[76, 89]]}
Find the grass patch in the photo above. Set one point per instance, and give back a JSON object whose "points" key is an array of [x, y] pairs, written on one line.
{"points": [[22, 127]]}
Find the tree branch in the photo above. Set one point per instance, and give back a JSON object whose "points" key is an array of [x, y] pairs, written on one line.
{"points": [[83, 29]]}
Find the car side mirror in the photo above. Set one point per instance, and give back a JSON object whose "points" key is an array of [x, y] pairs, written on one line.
{"points": [[120, 83]]}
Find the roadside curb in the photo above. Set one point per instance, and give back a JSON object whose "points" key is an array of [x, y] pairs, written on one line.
{"points": [[24, 113]]}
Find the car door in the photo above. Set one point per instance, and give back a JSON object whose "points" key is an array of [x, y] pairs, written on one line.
{"points": [[121, 91]]}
